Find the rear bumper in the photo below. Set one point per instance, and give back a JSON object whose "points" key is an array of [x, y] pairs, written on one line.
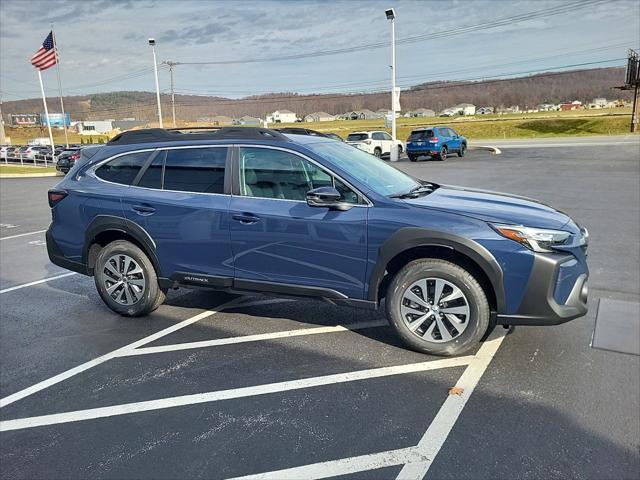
{"points": [[552, 296], [57, 257], [423, 150]]}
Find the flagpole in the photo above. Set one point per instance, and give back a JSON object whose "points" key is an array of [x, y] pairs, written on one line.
{"points": [[47, 119], [64, 117]]}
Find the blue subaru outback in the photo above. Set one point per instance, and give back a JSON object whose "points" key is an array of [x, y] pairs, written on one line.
{"points": [[254, 210]]}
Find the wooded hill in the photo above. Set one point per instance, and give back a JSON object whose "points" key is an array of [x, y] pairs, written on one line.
{"points": [[583, 85]]}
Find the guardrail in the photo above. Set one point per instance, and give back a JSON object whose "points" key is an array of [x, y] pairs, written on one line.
{"points": [[35, 160]]}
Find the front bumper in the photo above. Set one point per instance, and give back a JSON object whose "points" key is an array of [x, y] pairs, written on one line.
{"points": [[553, 296]]}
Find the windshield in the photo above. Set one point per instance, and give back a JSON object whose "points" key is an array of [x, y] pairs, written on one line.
{"points": [[357, 137], [381, 177]]}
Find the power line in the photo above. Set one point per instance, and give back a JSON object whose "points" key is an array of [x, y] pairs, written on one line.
{"points": [[415, 38]]}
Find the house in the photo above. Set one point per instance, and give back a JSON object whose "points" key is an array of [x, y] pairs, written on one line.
{"points": [[466, 109], [575, 105], [360, 115], [449, 112], [599, 103], [248, 121], [94, 127], [548, 107], [319, 117], [484, 110], [281, 116], [420, 112]]}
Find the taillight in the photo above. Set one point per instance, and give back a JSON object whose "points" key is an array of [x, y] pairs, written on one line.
{"points": [[433, 139], [75, 156], [55, 196]]}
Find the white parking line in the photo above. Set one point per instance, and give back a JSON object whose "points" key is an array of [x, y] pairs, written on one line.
{"points": [[116, 353], [37, 282], [22, 235], [255, 338], [185, 400], [417, 459]]}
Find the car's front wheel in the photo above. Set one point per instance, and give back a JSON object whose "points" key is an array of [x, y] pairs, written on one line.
{"points": [[126, 280], [437, 307], [463, 149]]}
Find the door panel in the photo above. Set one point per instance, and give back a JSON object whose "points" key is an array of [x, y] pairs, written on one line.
{"points": [[189, 224], [277, 237]]}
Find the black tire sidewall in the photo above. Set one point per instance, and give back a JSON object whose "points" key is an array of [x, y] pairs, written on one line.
{"points": [[479, 308], [463, 148], [377, 152], [441, 156], [153, 296]]}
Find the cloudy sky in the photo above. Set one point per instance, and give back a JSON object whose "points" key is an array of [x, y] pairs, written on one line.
{"points": [[103, 44]]}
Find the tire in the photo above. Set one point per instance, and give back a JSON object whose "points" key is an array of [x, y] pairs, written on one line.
{"points": [[400, 150], [467, 331], [412, 158], [463, 149], [443, 154], [140, 294], [377, 152]]}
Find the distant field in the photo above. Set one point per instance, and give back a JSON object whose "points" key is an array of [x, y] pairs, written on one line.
{"points": [[521, 125], [530, 125]]}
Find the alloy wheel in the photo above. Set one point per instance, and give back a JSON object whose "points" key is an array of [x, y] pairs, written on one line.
{"points": [[124, 279], [435, 310]]}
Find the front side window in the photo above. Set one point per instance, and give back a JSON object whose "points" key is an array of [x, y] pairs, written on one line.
{"points": [[269, 173], [385, 136], [377, 136], [123, 169], [199, 170]]}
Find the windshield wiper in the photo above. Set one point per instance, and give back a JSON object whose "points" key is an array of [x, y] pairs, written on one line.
{"points": [[418, 190]]}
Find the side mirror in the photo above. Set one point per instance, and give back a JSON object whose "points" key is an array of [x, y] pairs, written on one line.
{"points": [[327, 197]]}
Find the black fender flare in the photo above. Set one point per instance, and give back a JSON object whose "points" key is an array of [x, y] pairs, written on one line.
{"points": [[104, 223], [412, 237]]}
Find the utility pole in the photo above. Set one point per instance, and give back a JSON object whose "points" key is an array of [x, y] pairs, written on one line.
{"points": [[173, 97], [152, 44], [3, 139], [632, 82]]}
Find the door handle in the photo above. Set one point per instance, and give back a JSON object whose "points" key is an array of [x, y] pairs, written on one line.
{"points": [[143, 209], [245, 218]]}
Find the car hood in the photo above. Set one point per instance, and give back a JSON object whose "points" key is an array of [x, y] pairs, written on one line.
{"points": [[492, 207]]}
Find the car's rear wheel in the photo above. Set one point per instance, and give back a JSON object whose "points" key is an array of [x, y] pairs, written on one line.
{"points": [[400, 149], [412, 158], [437, 307], [443, 154], [377, 152], [463, 149], [126, 280]]}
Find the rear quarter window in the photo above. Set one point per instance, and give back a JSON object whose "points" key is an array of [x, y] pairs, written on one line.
{"points": [[123, 169]]}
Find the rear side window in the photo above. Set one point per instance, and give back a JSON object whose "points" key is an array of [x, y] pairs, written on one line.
{"points": [[199, 170], [357, 137], [123, 169]]}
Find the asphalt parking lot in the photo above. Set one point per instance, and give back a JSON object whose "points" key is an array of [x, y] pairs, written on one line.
{"points": [[219, 386]]}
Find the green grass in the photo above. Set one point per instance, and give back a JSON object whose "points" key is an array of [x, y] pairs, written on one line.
{"points": [[20, 169], [532, 125]]}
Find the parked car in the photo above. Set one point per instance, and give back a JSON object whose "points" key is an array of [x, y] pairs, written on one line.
{"points": [[253, 210], [435, 142], [67, 158], [4, 151], [376, 143]]}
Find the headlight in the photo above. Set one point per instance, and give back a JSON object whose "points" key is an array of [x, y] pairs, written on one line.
{"points": [[536, 239]]}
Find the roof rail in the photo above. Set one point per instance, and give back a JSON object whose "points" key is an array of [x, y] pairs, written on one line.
{"points": [[150, 135]]}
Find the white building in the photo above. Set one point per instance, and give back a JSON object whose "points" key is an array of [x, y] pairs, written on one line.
{"points": [[282, 116], [319, 117], [421, 112], [599, 103], [94, 127], [466, 109]]}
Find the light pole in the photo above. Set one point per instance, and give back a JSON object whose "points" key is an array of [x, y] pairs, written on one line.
{"points": [[152, 42], [391, 15]]}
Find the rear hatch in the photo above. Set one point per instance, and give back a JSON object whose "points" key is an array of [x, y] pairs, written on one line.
{"points": [[358, 139], [421, 138]]}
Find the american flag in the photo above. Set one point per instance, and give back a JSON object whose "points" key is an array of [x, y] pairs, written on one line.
{"points": [[45, 57]]}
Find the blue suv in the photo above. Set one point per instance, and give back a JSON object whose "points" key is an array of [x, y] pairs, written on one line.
{"points": [[435, 142], [254, 210]]}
